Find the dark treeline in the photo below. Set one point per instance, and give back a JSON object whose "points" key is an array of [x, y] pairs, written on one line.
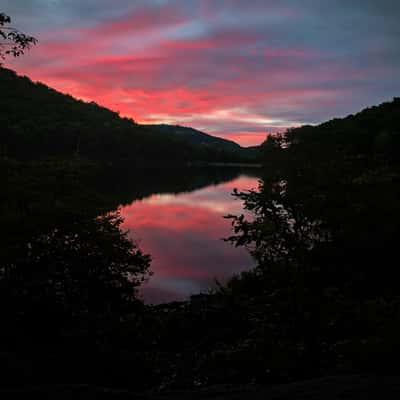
{"points": [[38, 122]]}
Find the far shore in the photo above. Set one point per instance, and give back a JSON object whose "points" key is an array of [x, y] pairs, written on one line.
{"points": [[226, 164]]}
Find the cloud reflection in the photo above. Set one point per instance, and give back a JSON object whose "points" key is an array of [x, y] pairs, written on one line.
{"points": [[183, 234]]}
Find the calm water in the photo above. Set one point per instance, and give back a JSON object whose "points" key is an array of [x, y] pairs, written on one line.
{"points": [[183, 233]]}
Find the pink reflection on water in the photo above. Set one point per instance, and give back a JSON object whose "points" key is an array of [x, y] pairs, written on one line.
{"points": [[183, 233]]}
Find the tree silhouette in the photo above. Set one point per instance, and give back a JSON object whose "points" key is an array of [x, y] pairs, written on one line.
{"points": [[13, 42]]}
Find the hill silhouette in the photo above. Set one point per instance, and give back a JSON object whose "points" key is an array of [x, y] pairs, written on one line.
{"points": [[206, 140], [39, 122]]}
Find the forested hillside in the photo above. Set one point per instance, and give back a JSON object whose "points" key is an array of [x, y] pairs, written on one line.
{"points": [[38, 122], [370, 134]]}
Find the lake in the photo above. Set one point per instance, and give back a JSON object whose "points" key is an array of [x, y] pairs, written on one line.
{"points": [[183, 230]]}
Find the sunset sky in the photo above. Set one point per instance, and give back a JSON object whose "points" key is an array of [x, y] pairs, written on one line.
{"points": [[236, 69]]}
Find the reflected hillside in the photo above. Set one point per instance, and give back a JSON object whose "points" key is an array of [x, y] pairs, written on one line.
{"points": [[133, 184], [46, 193]]}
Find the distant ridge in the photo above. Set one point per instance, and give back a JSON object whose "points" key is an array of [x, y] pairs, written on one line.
{"points": [[196, 137]]}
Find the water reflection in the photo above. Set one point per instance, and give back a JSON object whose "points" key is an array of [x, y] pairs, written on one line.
{"points": [[183, 234]]}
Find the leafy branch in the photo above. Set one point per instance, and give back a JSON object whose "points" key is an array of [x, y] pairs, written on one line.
{"points": [[15, 42]]}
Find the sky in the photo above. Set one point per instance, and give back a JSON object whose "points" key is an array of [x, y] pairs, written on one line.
{"points": [[239, 69]]}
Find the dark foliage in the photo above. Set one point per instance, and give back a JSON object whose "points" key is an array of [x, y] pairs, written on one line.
{"points": [[12, 41], [63, 288]]}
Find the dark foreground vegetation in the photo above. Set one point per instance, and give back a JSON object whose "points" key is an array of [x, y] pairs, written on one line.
{"points": [[343, 387]]}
